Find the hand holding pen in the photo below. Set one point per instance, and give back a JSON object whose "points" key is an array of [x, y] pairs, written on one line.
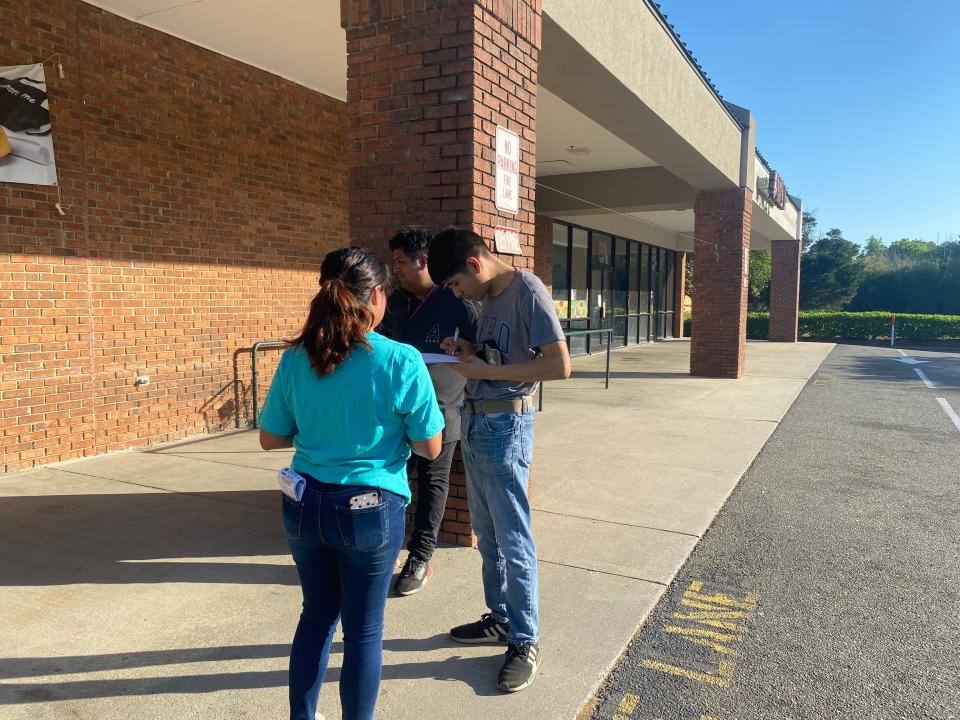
{"points": [[457, 346]]}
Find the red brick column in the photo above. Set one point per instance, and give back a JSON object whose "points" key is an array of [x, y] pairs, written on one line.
{"points": [[784, 290], [543, 250], [679, 292], [428, 82], [722, 248]]}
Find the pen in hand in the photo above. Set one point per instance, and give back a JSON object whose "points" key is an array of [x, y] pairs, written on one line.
{"points": [[456, 337]]}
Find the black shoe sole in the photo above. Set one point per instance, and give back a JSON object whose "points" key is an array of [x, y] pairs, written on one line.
{"points": [[478, 641], [400, 593]]}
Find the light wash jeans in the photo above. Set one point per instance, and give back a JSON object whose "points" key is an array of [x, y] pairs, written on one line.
{"points": [[497, 450]]}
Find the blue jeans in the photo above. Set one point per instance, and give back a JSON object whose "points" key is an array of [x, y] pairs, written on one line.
{"points": [[345, 559], [497, 450]]}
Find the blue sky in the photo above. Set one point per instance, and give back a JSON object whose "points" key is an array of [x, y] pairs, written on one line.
{"points": [[857, 103]]}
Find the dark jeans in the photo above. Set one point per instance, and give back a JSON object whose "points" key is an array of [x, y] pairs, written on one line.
{"points": [[345, 559], [433, 485]]}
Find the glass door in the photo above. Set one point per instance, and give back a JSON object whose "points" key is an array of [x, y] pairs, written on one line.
{"points": [[656, 293], [633, 295], [646, 296], [579, 288], [601, 288]]}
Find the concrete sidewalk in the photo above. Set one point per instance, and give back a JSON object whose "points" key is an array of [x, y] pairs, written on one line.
{"points": [[156, 584]]}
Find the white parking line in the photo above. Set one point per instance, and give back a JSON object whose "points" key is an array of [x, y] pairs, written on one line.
{"points": [[923, 376], [901, 352], [951, 413]]}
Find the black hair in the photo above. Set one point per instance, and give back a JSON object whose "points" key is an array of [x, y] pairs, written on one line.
{"points": [[339, 317], [450, 250], [414, 241]]}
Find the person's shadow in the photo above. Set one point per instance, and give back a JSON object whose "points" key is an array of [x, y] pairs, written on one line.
{"points": [[477, 672], [142, 538]]}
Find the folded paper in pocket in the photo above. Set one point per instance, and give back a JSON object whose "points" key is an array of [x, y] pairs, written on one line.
{"points": [[291, 483]]}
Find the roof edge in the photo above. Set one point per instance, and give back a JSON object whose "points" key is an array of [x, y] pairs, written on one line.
{"points": [[691, 58]]}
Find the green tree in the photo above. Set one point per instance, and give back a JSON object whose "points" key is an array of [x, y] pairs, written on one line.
{"points": [[874, 247], [874, 255], [908, 251], [758, 293], [809, 230], [831, 273]]}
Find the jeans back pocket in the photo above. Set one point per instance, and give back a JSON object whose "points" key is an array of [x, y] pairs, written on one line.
{"points": [[364, 529], [292, 513]]}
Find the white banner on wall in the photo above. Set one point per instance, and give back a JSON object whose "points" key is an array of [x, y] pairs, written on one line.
{"points": [[26, 138]]}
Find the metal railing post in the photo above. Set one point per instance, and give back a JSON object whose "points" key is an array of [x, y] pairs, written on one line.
{"points": [[606, 385], [254, 373]]}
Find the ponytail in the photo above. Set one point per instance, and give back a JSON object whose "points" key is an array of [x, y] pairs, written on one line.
{"points": [[339, 316]]}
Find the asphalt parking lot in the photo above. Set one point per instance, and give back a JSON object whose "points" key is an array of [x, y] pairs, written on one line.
{"points": [[828, 585]]}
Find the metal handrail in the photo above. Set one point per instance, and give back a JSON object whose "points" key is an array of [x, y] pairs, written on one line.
{"points": [[575, 333], [253, 369]]}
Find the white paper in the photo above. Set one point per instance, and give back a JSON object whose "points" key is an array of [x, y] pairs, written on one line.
{"points": [[439, 359]]}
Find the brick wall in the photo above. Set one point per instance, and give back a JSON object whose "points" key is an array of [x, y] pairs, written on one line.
{"points": [[543, 250], [784, 290], [427, 84], [721, 248], [202, 194]]}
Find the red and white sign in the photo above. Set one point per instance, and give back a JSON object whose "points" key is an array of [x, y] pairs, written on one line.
{"points": [[507, 240], [508, 171]]}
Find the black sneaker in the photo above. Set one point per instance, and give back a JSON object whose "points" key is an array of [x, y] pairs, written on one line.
{"points": [[520, 667], [413, 577], [485, 631]]}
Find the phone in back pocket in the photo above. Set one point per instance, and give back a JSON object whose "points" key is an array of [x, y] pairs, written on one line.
{"points": [[370, 499]]}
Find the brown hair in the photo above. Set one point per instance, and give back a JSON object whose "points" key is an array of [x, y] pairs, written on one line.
{"points": [[339, 317]]}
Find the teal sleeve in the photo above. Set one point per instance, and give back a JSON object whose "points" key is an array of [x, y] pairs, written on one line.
{"points": [[418, 402], [277, 416]]}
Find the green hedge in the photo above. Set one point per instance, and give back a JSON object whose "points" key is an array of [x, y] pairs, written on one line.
{"points": [[825, 325]]}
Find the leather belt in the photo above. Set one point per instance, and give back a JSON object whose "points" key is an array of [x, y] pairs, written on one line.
{"points": [[489, 407]]}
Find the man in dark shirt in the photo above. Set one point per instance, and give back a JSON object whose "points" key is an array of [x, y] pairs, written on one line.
{"points": [[422, 314]]}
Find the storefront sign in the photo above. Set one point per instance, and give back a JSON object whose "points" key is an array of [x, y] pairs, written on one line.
{"points": [[507, 240], [776, 190], [508, 171]]}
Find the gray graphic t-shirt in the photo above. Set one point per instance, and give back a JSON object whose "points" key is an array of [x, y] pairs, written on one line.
{"points": [[517, 322]]}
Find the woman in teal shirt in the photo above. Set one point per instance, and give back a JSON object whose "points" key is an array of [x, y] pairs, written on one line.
{"points": [[352, 403]]}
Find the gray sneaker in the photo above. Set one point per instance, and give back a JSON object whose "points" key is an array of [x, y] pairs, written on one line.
{"points": [[413, 577], [520, 667]]}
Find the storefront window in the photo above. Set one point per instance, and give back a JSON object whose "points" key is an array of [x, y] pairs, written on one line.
{"points": [[603, 281], [561, 286]]}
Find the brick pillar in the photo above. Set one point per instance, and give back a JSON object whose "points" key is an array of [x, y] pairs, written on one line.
{"points": [[679, 292], [426, 90], [722, 249], [428, 82], [784, 290], [543, 250]]}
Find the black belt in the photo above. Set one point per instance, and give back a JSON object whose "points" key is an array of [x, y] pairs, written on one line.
{"points": [[489, 407]]}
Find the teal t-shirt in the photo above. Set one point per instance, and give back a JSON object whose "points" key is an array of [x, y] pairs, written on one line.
{"points": [[351, 427]]}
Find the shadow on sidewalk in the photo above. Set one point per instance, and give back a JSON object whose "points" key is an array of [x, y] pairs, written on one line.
{"points": [[477, 672], [143, 538]]}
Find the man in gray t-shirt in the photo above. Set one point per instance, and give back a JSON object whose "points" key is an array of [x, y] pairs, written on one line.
{"points": [[516, 322], [519, 343]]}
